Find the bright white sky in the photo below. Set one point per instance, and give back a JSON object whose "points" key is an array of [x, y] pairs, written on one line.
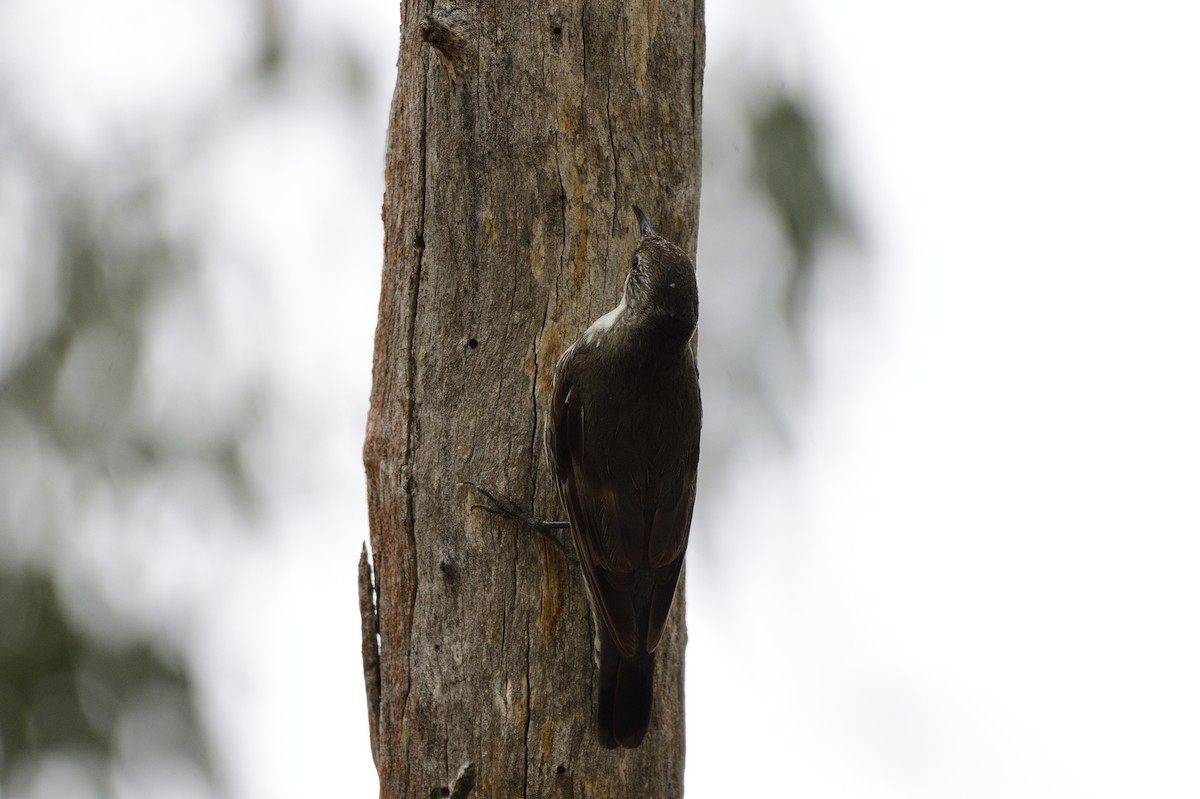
{"points": [[980, 577], [976, 575]]}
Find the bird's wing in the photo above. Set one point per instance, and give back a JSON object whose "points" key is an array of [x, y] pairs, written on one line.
{"points": [[600, 518], [668, 541], [605, 533], [610, 522]]}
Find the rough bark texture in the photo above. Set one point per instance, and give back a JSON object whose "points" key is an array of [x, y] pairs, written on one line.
{"points": [[520, 135]]}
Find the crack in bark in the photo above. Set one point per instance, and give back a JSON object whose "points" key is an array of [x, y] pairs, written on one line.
{"points": [[562, 201], [698, 43], [534, 458], [528, 710], [407, 487], [616, 173], [503, 629]]}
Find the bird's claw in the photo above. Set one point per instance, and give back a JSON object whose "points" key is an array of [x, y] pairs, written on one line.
{"points": [[503, 505]]}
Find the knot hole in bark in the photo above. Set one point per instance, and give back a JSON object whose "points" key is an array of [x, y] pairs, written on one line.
{"points": [[448, 30]]}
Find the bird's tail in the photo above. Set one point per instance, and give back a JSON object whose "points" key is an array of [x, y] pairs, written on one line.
{"points": [[626, 693]]}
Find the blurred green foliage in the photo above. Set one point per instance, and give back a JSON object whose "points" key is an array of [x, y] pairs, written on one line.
{"points": [[71, 430], [105, 697], [120, 433], [791, 171], [73, 384], [62, 691]]}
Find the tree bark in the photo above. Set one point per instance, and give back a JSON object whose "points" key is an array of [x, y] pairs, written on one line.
{"points": [[520, 135]]}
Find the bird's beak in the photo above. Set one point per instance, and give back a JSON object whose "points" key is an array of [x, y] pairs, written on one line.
{"points": [[647, 231]]}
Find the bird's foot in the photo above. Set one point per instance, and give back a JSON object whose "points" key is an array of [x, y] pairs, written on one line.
{"points": [[501, 504]]}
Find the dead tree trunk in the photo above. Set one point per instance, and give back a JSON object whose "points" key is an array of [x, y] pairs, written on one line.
{"points": [[521, 133]]}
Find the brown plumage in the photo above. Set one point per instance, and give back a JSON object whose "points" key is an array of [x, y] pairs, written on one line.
{"points": [[623, 438]]}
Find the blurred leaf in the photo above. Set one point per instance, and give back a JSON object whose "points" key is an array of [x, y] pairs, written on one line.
{"points": [[74, 383], [107, 252], [106, 699], [60, 690], [69, 430], [789, 168]]}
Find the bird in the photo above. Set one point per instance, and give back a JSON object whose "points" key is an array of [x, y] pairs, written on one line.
{"points": [[623, 442]]}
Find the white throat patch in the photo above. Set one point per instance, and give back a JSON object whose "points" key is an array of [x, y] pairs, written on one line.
{"points": [[605, 322]]}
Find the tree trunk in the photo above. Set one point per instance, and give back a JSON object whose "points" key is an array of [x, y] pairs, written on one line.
{"points": [[521, 134]]}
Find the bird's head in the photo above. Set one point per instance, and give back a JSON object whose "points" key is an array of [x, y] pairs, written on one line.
{"points": [[660, 289]]}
